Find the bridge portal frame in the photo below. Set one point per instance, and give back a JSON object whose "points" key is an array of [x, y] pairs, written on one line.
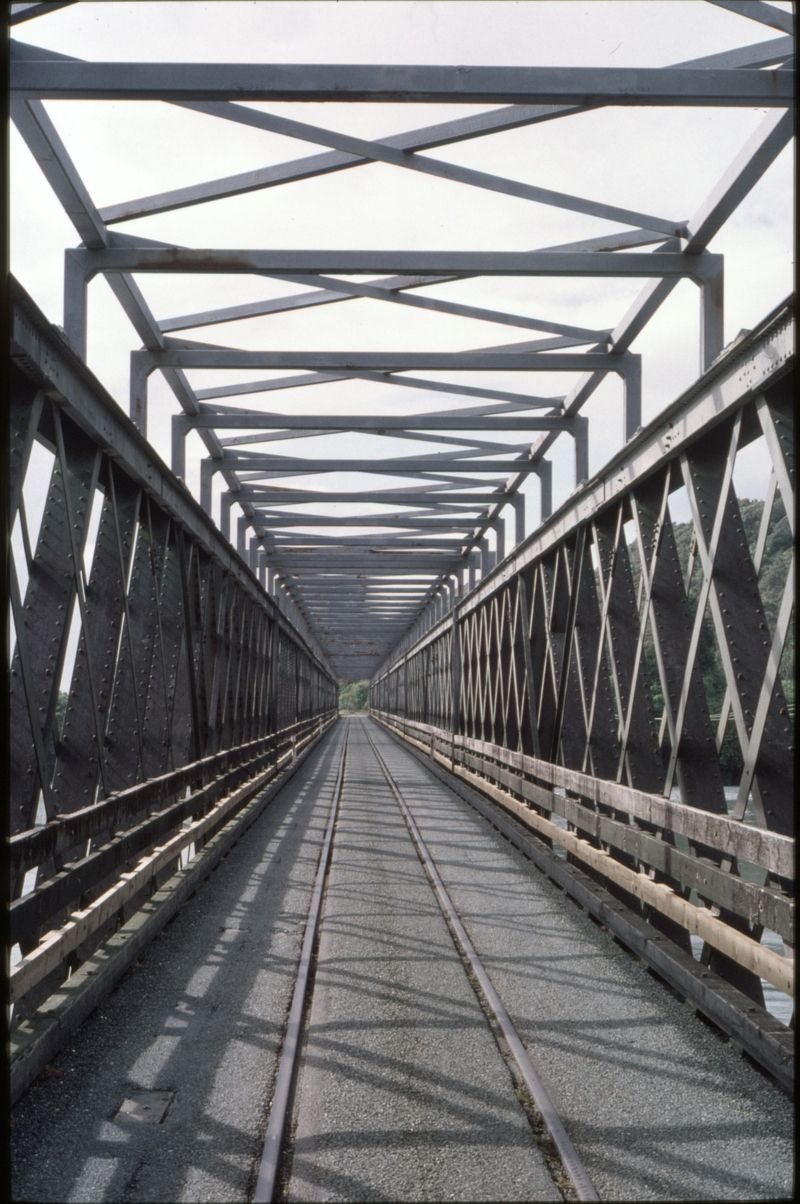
{"points": [[289, 556]]}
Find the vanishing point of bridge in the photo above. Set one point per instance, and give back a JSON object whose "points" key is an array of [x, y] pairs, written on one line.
{"points": [[525, 929]]}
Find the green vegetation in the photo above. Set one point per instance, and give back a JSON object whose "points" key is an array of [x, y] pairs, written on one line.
{"points": [[774, 567], [61, 709], [354, 698]]}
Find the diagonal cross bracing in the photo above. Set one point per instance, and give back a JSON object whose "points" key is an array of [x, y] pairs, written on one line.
{"points": [[305, 490]]}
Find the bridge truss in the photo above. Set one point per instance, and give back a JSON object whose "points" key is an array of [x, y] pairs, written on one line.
{"points": [[578, 645], [427, 519]]}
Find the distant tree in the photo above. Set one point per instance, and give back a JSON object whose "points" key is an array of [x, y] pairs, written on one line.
{"points": [[61, 710], [354, 698], [777, 555]]}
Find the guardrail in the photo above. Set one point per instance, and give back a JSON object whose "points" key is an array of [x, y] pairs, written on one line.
{"points": [[625, 658], [102, 939], [132, 840], [189, 690], [651, 851]]}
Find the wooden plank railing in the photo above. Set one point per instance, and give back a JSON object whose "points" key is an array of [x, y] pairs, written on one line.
{"points": [[143, 831], [528, 788]]}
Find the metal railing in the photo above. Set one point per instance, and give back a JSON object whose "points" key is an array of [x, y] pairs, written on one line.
{"points": [[582, 662], [188, 689]]}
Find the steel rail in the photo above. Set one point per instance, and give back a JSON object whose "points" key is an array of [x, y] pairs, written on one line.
{"points": [[567, 1152], [279, 1109]]}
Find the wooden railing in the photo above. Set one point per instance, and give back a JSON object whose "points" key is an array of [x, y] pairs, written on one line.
{"points": [[710, 875], [108, 858]]}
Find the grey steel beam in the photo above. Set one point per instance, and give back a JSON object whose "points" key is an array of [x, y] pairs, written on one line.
{"points": [[443, 134], [408, 382], [342, 290], [381, 152], [439, 514], [418, 263], [26, 12], [760, 55], [393, 497], [343, 606], [758, 153], [375, 561], [394, 285], [365, 520], [398, 541], [58, 80], [371, 422], [387, 467], [756, 10], [387, 361]]}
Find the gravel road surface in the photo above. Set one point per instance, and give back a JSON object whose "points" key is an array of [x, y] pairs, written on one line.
{"points": [[199, 1020], [657, 1105], [403, 1094]]}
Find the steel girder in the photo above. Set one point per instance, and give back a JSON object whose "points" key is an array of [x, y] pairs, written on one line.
{"points": [[176, 640], [488, 450], [591, 646]]}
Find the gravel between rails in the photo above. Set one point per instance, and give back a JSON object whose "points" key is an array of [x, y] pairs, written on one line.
{"points": [[403, 1094], [201, 1016], [656, 1104]]}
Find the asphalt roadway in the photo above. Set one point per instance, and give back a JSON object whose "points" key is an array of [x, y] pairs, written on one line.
{"points": [[402, 1093]]}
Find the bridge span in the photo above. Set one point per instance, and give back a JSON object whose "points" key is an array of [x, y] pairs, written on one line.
{"points": [[524, 929], [405, 1088]]}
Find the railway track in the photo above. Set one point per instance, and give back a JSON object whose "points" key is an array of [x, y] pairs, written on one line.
{"points": [[354, 909], [562, 1159]]}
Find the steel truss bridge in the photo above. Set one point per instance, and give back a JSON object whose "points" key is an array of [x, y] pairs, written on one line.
{"points": [[558, 673]]}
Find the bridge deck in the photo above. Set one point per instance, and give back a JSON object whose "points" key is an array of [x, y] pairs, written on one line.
{"points": [[402, 1092]]}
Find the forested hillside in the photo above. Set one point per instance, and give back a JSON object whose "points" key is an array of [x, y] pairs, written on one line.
{"points": [[354, 698], [774, 567]]}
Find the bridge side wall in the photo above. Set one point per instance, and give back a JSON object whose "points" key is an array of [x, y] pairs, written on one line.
{"points": [[595, 645], [181, 659]]}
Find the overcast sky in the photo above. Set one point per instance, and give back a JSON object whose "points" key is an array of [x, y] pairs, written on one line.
{"points": [[661, 161]]}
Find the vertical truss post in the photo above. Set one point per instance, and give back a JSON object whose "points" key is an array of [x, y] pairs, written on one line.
{"points": [[141, 367], [581, 433], [569, 637], [712, 314], [518, 502], [632, 385], [455, 675], [225, 503], [207, 470], [500, 535], [544, 471], [180, 429], [530, 683], [75, 303]]}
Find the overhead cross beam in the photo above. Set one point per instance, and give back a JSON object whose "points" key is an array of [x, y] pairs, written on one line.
{"points": [[315, 83], [466, 488]]}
